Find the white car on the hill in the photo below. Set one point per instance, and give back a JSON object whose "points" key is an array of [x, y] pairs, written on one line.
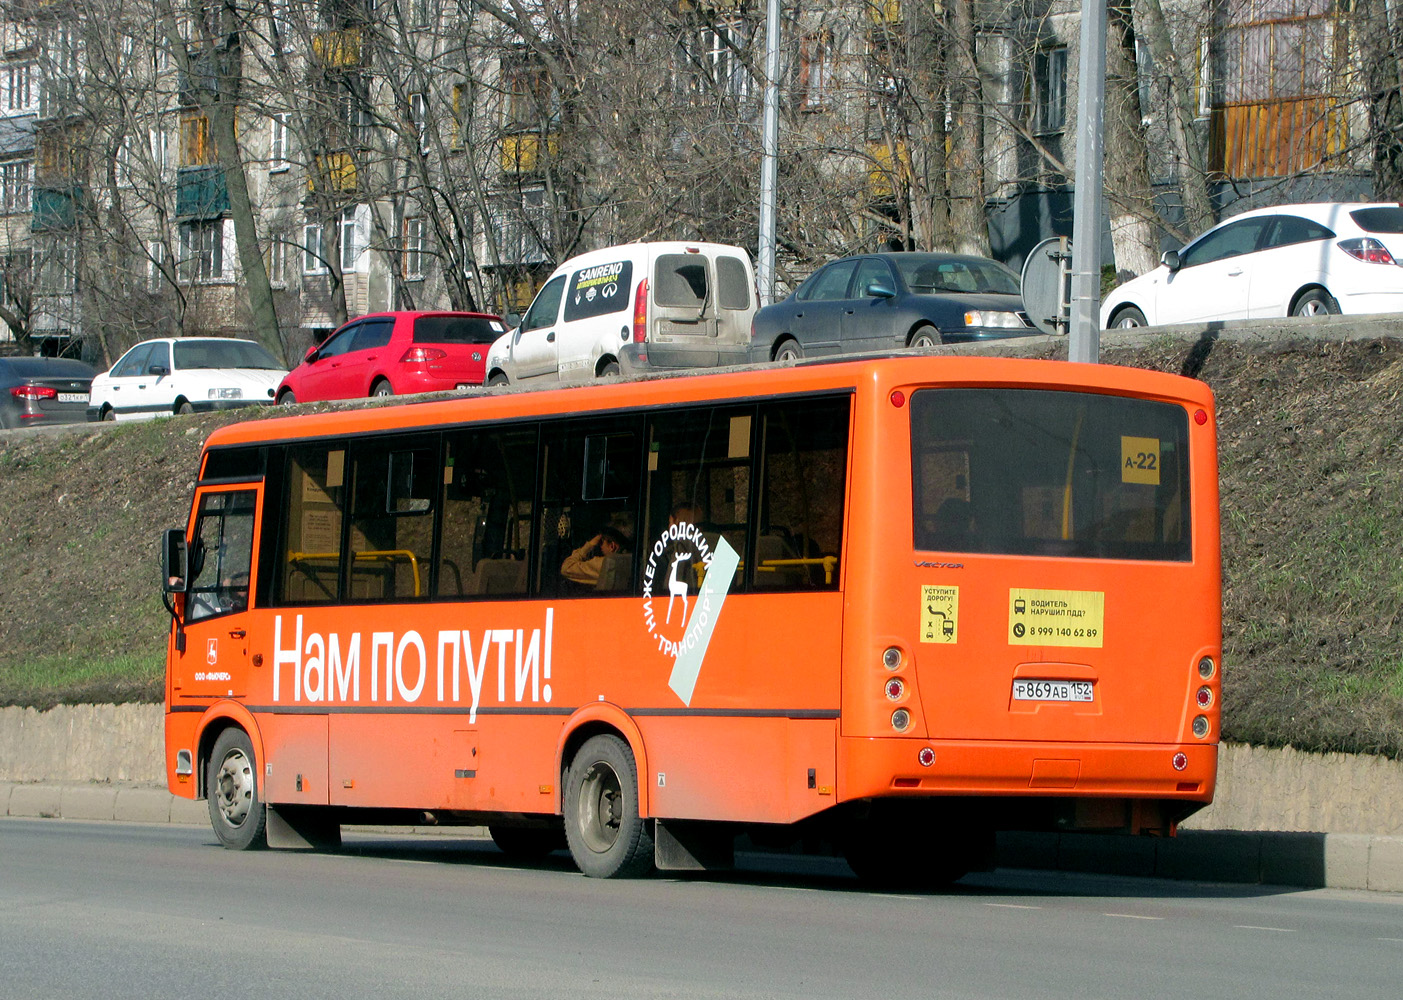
{"points": [[185, 375], [1289, 260]]}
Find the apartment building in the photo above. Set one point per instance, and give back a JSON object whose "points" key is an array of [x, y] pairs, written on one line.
{"points": [[202, 167]]}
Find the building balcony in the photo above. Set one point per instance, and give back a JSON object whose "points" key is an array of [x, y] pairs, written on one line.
{"points": [[55, 208], [528, 152], [342, 48], [201, 193]]}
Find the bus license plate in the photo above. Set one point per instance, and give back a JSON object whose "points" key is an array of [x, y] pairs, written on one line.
{"points": [[1030, 690], [73, 397]]}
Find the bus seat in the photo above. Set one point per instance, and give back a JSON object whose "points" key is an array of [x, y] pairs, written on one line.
{"points": [[500, 576], [770, 547], [616, 573]]}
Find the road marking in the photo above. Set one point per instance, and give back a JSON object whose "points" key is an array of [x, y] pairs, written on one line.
{"points": [[1013, 906], [1394, 940], [1131, 916], [1279, 930]]}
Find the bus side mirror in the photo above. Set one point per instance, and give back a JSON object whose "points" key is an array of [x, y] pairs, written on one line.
{"points": [[175, 569]]}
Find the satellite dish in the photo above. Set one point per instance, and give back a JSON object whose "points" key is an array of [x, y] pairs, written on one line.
{"points": [[1047, 285]]}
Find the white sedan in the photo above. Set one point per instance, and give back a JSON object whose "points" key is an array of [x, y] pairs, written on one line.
{"points": [[185, 375], [1289, 260]]}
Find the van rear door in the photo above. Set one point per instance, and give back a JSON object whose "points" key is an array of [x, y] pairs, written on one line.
{"points": [[682, 311]]}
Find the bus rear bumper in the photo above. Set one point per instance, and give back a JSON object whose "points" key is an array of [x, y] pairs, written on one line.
{"points": [[1181, 777]]}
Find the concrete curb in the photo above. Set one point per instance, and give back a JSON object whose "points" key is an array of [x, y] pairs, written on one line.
{"points": [[1309, 860]]}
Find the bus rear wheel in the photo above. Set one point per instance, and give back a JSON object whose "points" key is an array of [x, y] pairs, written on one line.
{"points": [[236, 811], [606, 835]]}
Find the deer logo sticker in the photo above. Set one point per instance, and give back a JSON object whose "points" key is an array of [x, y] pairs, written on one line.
{"points": [[699, 574]]}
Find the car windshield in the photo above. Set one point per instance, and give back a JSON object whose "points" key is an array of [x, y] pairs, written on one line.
{"points": [[223, 354], [955, 274]]}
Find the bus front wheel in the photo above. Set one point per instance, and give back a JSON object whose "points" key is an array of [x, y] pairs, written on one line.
{"points": [[236, 811], [606, 835]]}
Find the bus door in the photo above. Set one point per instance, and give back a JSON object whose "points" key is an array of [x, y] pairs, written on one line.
{"points": [[215, 661]]}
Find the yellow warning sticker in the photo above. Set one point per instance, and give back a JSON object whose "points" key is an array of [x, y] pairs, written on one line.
{"points": [[1056, 617], [940, 614], [1139, 460]]}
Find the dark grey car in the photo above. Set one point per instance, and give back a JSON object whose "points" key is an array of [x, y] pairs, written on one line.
{"points": [[39, 391], [877, 302]]}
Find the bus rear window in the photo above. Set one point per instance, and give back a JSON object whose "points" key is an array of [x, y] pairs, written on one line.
{"points": [[1038, 472]]}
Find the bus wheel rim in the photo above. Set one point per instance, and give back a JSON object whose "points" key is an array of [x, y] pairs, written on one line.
{"points": [[601, 807], [234, 788]]}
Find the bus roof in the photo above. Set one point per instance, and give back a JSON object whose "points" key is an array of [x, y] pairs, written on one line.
{"points": [[882, 372]]}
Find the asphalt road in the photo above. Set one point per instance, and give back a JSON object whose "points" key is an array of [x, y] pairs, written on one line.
{"points": [[113, 911]]}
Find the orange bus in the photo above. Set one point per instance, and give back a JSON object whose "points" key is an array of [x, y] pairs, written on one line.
{"points": [[883, 606]]}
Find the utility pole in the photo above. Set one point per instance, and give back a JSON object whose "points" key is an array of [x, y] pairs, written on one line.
{"points": [[1087, 206], [769, 158]]}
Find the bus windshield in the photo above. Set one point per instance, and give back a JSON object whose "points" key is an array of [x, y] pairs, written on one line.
{"points": [[1028, 472]]}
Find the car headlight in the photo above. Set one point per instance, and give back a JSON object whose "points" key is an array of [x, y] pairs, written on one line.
{"points": [[991, 318], [226, 394]]}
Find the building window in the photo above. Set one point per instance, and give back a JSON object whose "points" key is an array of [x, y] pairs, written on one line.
{"points": [[16, 185], [202, 250], [277, 261], [419, 119], [816, 71], [59, 81], [277, 143], [522, 227], [413, 249], [355, 237], [711, 60], [58, 268], [196, 149], [530, 101], [159, 141], [18, 87], [155, 266], [460, 102], [313, 255], [1050, 90], [353, 111]]}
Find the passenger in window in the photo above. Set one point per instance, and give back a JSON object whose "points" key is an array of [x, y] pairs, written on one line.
{"points": [[584, 565]]}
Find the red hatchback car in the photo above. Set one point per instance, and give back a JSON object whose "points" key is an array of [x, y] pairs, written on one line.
{"points": [[389, 354]]}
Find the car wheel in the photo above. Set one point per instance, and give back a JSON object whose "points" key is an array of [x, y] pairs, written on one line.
{"points": [[381, 389], [1127, 318], [924, 335], [609, 368], [1316, 302], [496, 378], [108, 413], [184, 407], [286, 398], [788, 350]]}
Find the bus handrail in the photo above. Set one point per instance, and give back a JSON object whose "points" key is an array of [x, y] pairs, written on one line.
{"points": [[383, 555]]}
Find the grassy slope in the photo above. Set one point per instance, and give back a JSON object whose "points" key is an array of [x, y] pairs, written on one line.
{"points": [[1311, 453]]}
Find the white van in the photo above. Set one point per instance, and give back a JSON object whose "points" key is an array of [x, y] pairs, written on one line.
{"points": [[632, 308]]}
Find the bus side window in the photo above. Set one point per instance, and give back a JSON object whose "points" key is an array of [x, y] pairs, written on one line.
{"points": [[699, 473], [489, 479], [394, 486], [311, 551], [803, 479], [589, 484]]}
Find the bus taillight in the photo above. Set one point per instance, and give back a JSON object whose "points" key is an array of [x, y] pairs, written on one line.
{"points": [[1200, 726], [1205, 697], [926, 757], [1206, 667], [1180, 761], [891, 658], [895, 689], [901, 720], [898, 398]]}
